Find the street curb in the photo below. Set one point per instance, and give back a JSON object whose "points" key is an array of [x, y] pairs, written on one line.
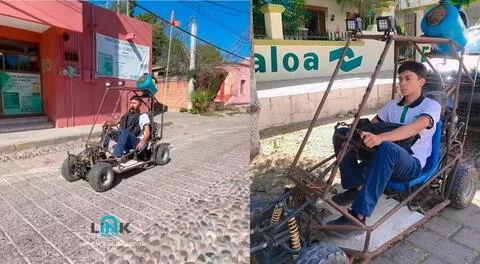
{"points": [[47, 142], [42, 143]]}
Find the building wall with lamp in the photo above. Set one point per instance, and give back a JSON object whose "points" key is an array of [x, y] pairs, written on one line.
{"points": [[292, 74], [58, 65]]}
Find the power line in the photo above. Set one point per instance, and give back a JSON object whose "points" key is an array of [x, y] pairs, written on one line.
{"points": [[216, 21], [185, 31], [223, 10], [227, 7]]}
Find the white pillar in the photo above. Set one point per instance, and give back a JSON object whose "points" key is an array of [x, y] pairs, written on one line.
{"points": [[273, 20], [193, 40]]}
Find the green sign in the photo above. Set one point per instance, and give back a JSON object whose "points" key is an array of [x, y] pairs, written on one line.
{"points": [[347, 65], [309, 61], [21, 93], [105, 64]]}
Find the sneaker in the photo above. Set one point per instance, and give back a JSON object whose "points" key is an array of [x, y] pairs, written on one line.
{"points": [[346, 197], [342, 221]]}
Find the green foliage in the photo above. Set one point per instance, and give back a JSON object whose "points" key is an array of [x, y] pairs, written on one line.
{"points": [[207, 56], [400, 29], [294, 17], [209, 79], [275, 145], [178, 55], [183, 110], [193, 111], [122, 7], [201, 99], [258, 18], [464, 3]]}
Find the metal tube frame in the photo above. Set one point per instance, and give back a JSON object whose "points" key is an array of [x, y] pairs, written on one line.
{"points": [[453, 159], [123, 89]]}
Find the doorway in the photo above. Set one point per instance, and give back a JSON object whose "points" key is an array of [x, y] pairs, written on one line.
{"points": [[317, 28], [20, 79]]}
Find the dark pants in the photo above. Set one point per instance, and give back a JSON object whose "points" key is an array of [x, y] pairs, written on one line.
{"points": [[125, 142], [391, 162]]}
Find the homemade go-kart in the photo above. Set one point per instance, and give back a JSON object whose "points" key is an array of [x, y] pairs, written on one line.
{"points": [[96, 163], [293, 227]]}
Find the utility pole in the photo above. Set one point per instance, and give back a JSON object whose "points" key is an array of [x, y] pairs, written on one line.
{"points": [[193, 40], [128, 8], [118, 6]]}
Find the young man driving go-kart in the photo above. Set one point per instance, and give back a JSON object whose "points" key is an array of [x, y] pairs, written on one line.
{"points": [[134, 130], [416, 115]]}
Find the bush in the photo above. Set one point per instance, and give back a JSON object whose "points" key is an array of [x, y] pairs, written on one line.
{"points": [[201, 99], [193, 111], [183, 110]]}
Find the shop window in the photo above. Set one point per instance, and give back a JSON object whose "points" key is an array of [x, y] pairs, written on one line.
{"points": [[23, 62], [11, 62]]}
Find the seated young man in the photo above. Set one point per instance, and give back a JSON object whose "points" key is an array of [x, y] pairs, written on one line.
{"points": [[134, 130], [418, 115]]}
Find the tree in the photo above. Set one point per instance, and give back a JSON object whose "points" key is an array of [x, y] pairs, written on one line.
{"points": [[294, 17], [464, 3], [207, 56], [178, 52], [159, 40], [122, 6]]}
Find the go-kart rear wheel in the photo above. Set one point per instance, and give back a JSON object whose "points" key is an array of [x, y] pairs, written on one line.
{"points": [[68, 169], [323, 252], [162, 155], [101, 176], [464, 186]]}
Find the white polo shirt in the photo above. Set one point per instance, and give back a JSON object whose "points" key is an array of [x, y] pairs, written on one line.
{"points": [[143, 120], [395, 112]]}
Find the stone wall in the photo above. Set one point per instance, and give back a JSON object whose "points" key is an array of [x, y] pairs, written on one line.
{"points": [[286, 110]]}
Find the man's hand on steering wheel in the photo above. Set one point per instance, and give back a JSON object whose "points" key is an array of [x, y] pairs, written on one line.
{"points": [[370, 140]]}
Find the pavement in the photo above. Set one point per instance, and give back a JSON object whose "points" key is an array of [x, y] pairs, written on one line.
{"points": [[200, 198]]}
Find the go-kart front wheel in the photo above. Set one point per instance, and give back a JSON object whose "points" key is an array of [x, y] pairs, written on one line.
{"points": [[68, 169], [162, 155], [101, 176]]}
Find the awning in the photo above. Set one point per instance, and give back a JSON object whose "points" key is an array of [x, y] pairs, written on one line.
{"points": [[38, 16]]}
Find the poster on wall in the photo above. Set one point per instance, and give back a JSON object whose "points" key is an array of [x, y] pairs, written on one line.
{"points": [[21, 93], [121, 59]]}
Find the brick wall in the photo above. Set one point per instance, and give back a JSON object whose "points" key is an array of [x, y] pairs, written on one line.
{"points": [[176, 96]]}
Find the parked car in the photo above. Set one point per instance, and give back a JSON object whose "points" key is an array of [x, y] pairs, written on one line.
{"points": [[448, 68]]}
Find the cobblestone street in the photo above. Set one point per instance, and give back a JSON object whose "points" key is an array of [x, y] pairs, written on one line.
{"points": [[45, 219], [450, 237]]}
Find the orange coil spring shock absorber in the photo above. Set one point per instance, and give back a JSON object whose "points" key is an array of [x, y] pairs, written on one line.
{"points": [[294, 234], [277, 212]]}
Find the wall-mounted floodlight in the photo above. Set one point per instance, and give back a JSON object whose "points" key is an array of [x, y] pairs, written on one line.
{"points": [[386, 24], [108, 84], [354, 25], [121, 83]]}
